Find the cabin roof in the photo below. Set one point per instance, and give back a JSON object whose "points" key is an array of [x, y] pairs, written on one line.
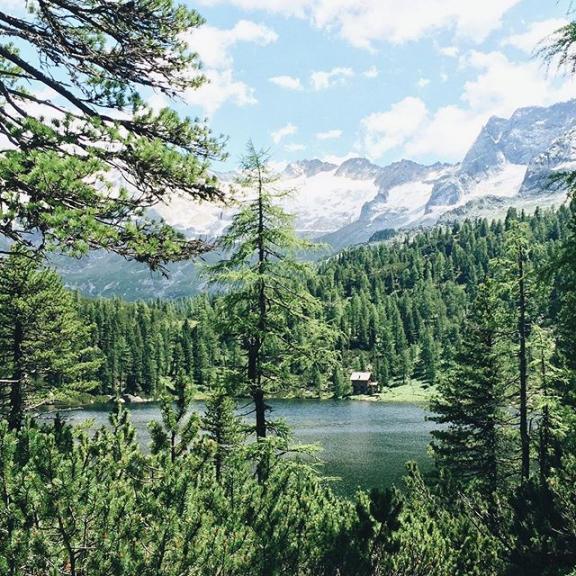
{"points": [[361, 376]]}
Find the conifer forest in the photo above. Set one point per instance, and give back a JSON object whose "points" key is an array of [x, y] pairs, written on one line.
{"points": [[477, 313]]}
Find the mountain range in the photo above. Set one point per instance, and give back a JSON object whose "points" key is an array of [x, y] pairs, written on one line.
{"points": [[510, 164]]}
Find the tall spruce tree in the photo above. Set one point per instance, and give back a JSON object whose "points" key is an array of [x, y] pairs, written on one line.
{"points": [[473, 400], [43, 340], [513, 271], [266, 296], [565, 280], [84, 155]]}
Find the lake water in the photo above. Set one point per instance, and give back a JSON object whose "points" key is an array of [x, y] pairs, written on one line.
{"points": [[365, 444]]}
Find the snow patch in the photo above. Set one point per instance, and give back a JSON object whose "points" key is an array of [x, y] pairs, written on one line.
{"points": [[325, 202], [506, 182]]}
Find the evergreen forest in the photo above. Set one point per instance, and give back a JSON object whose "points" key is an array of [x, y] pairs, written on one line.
{"points": [[480, 314]]}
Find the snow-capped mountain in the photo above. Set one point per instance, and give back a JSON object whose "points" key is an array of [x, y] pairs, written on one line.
{"points": [[510, 163], [324, 197], [344, 204]]}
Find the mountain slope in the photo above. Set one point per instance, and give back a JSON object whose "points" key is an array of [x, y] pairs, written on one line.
{"points": [[509, 164]]}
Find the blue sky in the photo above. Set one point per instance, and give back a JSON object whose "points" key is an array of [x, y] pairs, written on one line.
{"points": [[383, 79], [378, 78]]}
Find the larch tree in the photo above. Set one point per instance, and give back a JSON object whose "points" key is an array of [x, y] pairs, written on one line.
{"points": [[266, 298], [82, 156]]}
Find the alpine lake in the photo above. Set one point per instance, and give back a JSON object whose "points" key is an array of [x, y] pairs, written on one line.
{"points": [[361, 444]]}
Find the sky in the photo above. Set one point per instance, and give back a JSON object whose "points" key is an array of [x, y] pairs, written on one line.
{"points": [[382, 79]]}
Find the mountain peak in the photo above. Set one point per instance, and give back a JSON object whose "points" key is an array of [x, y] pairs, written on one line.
{"points": [[308, 168], [358, 169]]}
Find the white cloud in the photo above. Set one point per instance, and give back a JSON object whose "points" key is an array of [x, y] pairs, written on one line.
{"points": [[372, 72], [383, 131], [501, 86], [329, 135], [213, 45], [294, 147], [283, 132], [285, 7], [326, 79], [446, 135], [288, 82], [221, 88], [537, 32], [368, 21], [423, 82], [410, 20], [449, 51]]}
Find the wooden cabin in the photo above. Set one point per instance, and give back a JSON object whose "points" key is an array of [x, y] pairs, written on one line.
{"points": [[363, 383]]}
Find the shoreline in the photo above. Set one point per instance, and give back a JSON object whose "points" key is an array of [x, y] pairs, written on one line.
{"points": [[411, 393]]}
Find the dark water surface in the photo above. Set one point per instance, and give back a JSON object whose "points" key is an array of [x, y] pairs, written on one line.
{"points": [[365, 444]]}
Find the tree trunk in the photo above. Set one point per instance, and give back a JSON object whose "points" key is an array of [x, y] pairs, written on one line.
{"points": [[523, 365], [260, 413], [258, 392], [543, 458], [545, 436]]}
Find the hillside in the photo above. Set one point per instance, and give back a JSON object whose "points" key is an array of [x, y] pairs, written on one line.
{"points": [[399, 307]]}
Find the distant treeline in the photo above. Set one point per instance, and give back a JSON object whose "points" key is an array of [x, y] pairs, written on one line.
{"points": [[398, 308]]}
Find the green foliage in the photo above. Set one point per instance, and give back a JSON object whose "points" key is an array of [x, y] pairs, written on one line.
{"points": [[100, 506], [87, 156], [44, 344], [442, 536], [193, 505], [387, 318]]}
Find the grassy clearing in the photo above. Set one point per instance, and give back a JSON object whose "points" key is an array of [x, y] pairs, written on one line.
{"points": [[414, 392]]}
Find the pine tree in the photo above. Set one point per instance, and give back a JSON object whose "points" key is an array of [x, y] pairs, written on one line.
{"points": [[340, 385], [222, 427], [43, 341], [87, 155], [179, 427], [429, 358]]}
